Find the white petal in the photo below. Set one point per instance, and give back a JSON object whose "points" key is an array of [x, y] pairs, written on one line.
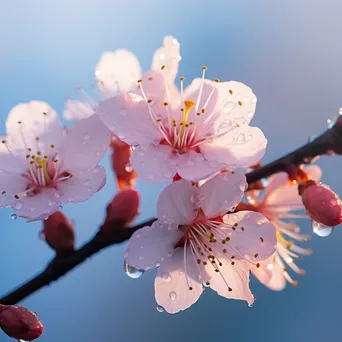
{"points": [[153, 163], [222, 193], [129, 118], [83, 185], [149, 246], [240, 147], [37, 207], [85, 144], [168, 56], [178, 203], [118, 71], [172, 284], [232, 281], [77, 110]]}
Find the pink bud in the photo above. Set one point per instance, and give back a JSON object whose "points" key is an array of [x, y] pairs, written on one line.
{"points": [[123, 208], [321, 203], [19, 323], [59, 232], [126, 177]]}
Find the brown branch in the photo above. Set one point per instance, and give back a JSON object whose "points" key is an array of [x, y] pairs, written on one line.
{"points": [[329, 142]]}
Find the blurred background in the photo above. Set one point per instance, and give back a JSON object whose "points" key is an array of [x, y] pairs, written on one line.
{"points": [[288, 52]]}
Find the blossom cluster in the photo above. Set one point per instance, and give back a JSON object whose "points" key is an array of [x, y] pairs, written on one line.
{"points": [[199, 139]]}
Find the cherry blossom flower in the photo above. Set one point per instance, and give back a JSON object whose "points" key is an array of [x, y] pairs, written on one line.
{"points": [[194, 242], [196, 133], [279, 201], [44, 164]]}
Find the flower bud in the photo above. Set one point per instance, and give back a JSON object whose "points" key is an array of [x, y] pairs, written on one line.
{"points": [[19, 323], [59, 232], [125, 176], [123, 208], [321, 203]]}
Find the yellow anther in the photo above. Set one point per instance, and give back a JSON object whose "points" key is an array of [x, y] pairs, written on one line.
{"points": [[19, 122], [29, 149], [31, 162], [16, 196], [224, 250], [55, 161], [37, 138], [39, 153], [198, 114], [3, 141], [139, 81], [150, 79], [33, 157], [44, 113], [230, 92], [287, 244], [162, 67], [204, 67], [240, 103], [256, 255], [3, 193], [181, 78], [262, 239], [70, 175], [203, 110], [217, 80], [149, 101], [166, 104], [159, 119], [52, 146], [257, 265], [27, 156], [46, 157]]}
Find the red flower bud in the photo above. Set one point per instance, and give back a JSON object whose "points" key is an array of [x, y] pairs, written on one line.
{"points": [[123, 208], [59, 232], [125, 176], [19, 323], [321, 203]]}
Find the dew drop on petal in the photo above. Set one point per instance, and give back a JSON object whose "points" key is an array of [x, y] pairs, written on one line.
{"points": [[172, 295], [14, 216], [166, 277], [205, 284], [18, 205], [133, 272], [244, 187], [128, 167], [320, 230], [160, 308]]}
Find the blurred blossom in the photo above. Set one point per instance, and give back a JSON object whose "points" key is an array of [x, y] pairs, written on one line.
{"points": [[19, 323], [125, 175], [123, 209], [195, 132], [44, 164], [58, 231], [194, 242], [278, 203], [321, 203]]}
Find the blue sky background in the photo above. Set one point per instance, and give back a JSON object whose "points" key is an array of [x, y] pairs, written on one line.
{"points": [[289, 53]]}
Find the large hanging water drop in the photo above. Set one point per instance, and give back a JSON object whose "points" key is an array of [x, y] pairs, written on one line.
{"points": [[14, 216], [133, 272], [320, 230], [160, 308]]}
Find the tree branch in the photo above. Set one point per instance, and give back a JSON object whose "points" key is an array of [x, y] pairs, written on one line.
{"points": [[329, 142]]}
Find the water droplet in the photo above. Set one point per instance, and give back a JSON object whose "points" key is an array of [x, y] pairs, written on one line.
{"points": [[250, 115], [150, 176], [14, 216], [18, 205], [166, 277], [157, 265], [205, 284], [160, 308], [128, 167], [52, 202], [173, 295], [320, 230], [86, 138], [254, 99], [244, 187], [181, 272], [232, 209], [133, 272], [241, 138]]}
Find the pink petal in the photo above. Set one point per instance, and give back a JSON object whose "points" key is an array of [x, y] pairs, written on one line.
{"points": [[77, 110], [149, 246], [168, 56], [153, 163], [129, 118], [177, 203], [222, 193], [282, 193], [193, 166], [240, 147], [234, 277], [172, 282], [85, 144], [83, 185], [272, 277], [256, 241], [10, 185], [118, 71], [37, 119], [37, 207]]}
